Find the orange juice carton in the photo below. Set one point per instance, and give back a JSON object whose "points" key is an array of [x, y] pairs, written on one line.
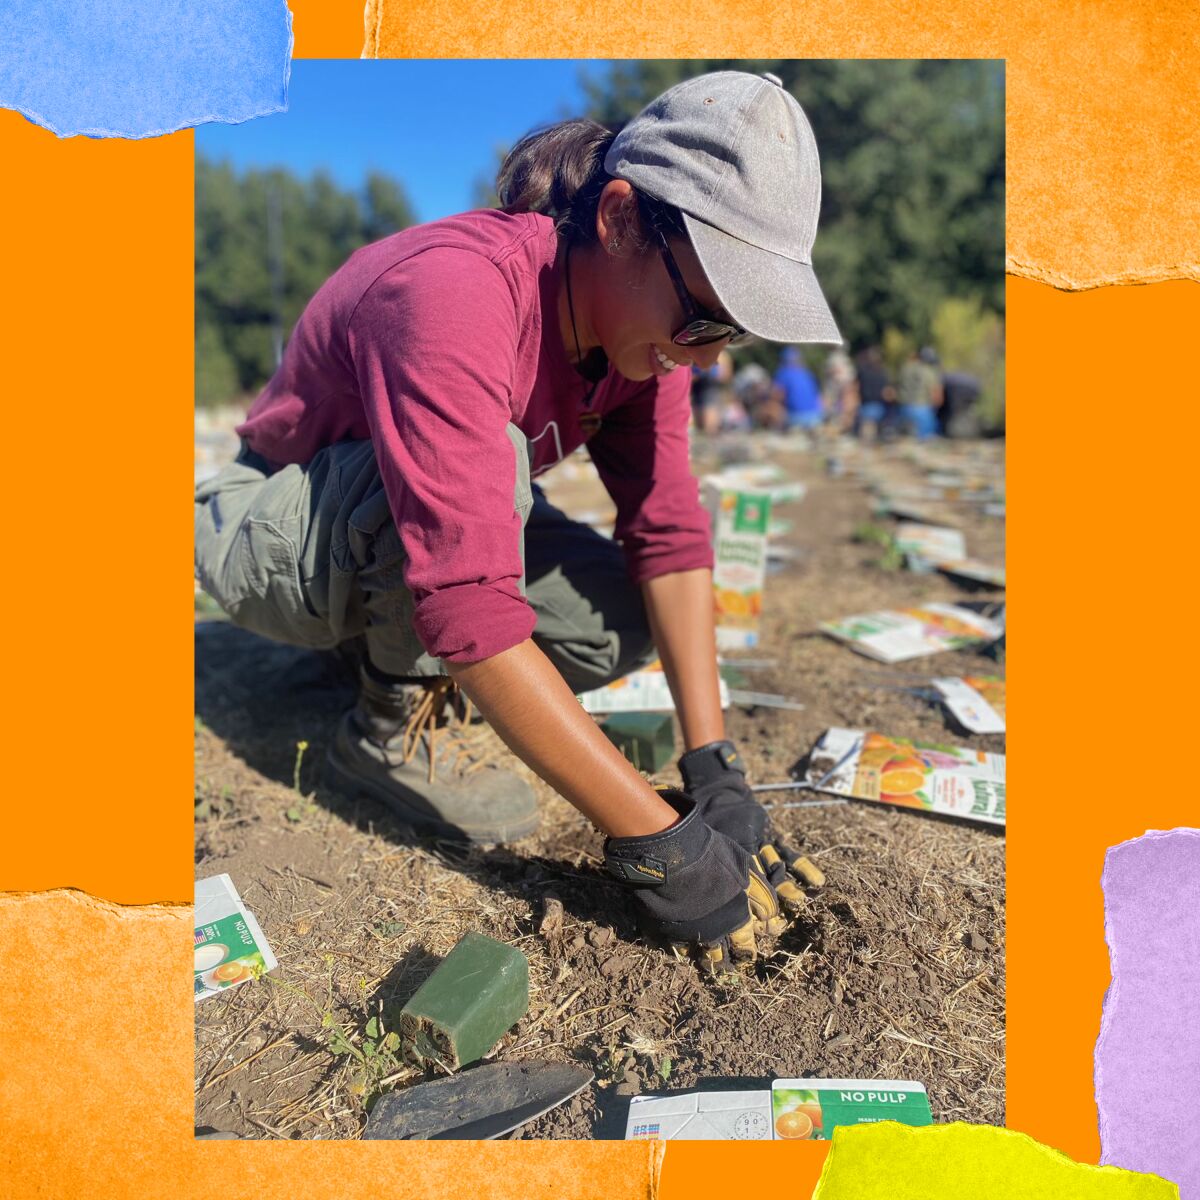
{"points": [[950, 780], [811, 1109], [741, 518], [700, 1116], [895, 635], [229, 944], [976, 702], [639, 691]]}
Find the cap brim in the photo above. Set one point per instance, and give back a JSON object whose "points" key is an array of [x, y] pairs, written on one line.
{"points": [[773, 297]]}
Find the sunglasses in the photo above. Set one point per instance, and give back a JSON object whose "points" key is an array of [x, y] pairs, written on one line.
{"points": [[700, 327]]}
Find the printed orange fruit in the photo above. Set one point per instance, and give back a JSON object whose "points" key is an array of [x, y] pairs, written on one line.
{"points": [[733, 603], [794, 1124], [230, 972], [813, 1112], [901, 782]]}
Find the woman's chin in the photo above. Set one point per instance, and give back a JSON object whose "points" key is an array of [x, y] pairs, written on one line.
{"points": [[635, 364]]}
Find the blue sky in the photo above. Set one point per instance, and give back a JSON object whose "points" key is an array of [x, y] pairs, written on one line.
{"points": [[434, 125]]}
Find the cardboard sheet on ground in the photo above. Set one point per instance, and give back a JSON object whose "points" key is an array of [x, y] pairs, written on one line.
{"points": [[896, 635], [976, 702], [229, 945], [888, 1161], [1148, 1053], [949, 780], [143, 68]]}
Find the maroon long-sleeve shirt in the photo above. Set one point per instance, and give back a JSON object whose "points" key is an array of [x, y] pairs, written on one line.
{"points": [[430, 342]]}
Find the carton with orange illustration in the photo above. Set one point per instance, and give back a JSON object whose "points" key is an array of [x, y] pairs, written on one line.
{"points": [[950, 780], [895, 635], [811, 1109], [229, 945], [741, 518], [645, 690]]}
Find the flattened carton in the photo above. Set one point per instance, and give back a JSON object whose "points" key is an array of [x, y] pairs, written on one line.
{"points": [[811, 1109], [951, 780], [700, 1116], [229, 944], [741, 518]]}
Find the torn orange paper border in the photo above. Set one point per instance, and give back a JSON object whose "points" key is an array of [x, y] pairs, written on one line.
{"points": [[97, 1089], [1099, 191]]}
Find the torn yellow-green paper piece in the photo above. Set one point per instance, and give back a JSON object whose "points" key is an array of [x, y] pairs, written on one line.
{"points": [[889, 1161]]}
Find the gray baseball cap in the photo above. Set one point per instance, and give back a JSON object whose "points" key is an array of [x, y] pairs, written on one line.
{"points": [[735, 154]]}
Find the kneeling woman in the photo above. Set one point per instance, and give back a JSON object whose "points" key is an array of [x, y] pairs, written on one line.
{"points": [[383, 494]]}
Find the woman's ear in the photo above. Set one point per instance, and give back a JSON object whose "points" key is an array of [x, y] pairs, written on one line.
{"points": [[618, 228]]}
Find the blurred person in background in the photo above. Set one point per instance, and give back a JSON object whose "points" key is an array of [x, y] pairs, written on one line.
{"points": [[920, 389], [958, 415], [752, 386], [383, 498], [711, 387], [877, 396], [839, 391], [797, 392]]}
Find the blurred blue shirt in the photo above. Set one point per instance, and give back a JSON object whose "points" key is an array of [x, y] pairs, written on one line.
{"points": [[801, 394]]}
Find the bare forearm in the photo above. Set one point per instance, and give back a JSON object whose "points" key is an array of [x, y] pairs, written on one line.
{"points": [[680, 609], [526, 701]]}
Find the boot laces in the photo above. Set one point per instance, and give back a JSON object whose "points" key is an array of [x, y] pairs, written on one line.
{"points": [[457, 737]]}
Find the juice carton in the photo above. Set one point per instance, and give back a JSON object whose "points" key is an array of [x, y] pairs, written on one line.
{"points": [[741, 517]]}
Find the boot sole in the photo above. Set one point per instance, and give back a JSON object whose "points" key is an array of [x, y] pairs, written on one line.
{"points": [[341, 780]]}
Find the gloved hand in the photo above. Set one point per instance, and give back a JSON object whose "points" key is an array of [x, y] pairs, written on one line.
{"points": [[696, 889], [714, 777]]}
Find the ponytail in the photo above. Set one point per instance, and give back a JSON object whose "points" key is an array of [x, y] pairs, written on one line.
{"points": [[559, 172]]}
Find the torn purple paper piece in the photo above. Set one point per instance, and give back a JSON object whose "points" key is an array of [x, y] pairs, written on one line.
{"points": [[142, 68], [1148, 1053]]}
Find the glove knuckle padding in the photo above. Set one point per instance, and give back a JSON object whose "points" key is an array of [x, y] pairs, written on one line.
{"points": [[690, 881]]}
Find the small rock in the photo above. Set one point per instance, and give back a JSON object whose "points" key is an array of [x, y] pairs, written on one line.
{"points": [[577, 943], [836, 994], [628, 1089], [630, 1074], [304, 926], [839, 1039], [600, 936], [977, 942]]}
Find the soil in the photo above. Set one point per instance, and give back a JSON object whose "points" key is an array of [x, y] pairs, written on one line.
{"points": [[895, 971]]}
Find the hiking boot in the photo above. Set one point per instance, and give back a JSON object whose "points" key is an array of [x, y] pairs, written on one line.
{"points": [[415, 748]]}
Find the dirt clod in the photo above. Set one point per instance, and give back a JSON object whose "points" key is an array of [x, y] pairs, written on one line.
{"points": [[552, 917]]}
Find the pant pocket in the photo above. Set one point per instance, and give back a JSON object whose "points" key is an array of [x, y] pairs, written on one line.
{"points": [[274, 603]]}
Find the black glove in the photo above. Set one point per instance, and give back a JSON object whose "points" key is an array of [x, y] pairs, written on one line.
{"points": [[714, 777], [696, 889]]}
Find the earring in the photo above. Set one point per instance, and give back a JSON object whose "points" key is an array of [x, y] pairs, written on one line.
{"points": [[614, 245]]}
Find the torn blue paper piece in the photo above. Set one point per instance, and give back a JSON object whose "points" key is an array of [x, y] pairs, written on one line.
{"points": [[143, 68]]}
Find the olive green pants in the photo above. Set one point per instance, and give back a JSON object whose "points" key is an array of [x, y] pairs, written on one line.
{"points": [[309, 555]]}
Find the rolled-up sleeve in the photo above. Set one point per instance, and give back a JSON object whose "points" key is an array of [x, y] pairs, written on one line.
{"points": [[641, 453], [434, 344]]}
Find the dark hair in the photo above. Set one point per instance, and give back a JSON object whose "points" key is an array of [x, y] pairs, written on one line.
{"points": [[559, 171]]}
